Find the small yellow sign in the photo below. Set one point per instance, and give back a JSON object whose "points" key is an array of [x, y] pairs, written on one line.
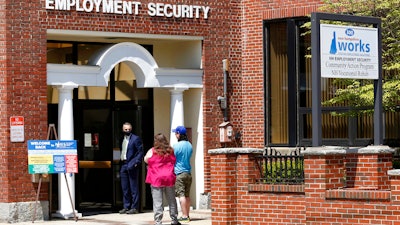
{"points": [[40, 159]]}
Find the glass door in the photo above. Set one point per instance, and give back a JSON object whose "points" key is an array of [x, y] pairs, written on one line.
{"points": [[98, 128], [95, 154], [141, 118], [121, 116]]}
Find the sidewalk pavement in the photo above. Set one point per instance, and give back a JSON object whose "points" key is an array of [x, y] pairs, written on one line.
{"points": [[198, 217]]}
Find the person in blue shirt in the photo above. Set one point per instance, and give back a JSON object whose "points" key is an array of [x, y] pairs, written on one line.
{"points": [[183, 152]]}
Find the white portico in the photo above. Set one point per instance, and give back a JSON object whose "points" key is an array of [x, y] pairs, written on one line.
{"points": [[66, 77]]}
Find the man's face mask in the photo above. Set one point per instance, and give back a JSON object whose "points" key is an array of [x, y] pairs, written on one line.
{"points": [[126, 130]]}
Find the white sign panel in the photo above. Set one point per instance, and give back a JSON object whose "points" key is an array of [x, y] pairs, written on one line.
{"points": [[17, 129], [349, 52], [88, 140]]}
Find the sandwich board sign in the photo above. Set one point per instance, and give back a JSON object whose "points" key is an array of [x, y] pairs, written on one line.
{"points": [[52, 156]]}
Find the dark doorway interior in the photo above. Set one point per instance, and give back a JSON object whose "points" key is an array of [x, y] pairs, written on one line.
{"points": [[98, 116], [97, 130], [95, 178]]}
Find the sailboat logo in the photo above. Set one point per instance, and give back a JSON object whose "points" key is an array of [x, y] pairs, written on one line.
{"points": [[348, 44], [333, 49]]}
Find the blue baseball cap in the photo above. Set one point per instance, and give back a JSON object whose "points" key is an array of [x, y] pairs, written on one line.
{"points": [[180, 130]]}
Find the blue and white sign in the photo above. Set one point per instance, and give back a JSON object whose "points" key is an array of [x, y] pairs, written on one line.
{"points": [[52, 156], [349, 52]]}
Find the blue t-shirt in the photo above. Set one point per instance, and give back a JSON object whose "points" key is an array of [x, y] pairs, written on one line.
{"points": [[183, 152]]}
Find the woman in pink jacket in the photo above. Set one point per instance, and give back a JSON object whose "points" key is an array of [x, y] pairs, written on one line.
{"points": [[161, 177]]}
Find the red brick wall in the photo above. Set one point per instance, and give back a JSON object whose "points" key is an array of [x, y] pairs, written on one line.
{"points": [[224, 183], [254, 12], [236, 199], [322, 199], [246, 76], [24, 70], [23, 92], [233, 31], [376, 167]]}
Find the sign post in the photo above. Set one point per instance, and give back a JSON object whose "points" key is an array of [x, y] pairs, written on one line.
{"points": [[52, 156], [346, 52]]}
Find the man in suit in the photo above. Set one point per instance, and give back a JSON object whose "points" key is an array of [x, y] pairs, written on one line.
{"points": [[131, 158]]}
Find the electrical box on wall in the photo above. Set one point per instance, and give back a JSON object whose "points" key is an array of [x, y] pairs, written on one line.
{"points": [[225, 132]]}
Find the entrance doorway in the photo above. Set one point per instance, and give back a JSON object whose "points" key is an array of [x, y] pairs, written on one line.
{"points": [[98, 127], [99, 112]]}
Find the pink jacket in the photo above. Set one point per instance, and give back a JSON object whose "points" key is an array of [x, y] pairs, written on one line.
{"points": [[160, 171]]}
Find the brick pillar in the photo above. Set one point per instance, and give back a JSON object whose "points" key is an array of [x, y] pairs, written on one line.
{"points": [[394, 178], [323, 169], [223, 189], [231, 169], [247, 172], [367, 167]]}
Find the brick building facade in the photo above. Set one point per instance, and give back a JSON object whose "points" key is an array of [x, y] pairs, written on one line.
{"points": [[210, 32]]}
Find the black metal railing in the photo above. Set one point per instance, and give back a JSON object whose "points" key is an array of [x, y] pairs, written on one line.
{"points": [[277, 167]]}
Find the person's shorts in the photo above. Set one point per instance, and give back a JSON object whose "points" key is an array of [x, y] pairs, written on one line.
{"points": [[182, 184]]}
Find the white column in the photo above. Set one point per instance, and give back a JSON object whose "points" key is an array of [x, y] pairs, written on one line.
{"points": [[177, 116], [66, 182]]}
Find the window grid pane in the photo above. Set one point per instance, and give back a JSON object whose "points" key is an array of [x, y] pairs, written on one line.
{"points": [[279, 84]]}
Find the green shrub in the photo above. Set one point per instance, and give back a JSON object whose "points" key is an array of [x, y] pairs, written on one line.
{"points": [[283, 171]]}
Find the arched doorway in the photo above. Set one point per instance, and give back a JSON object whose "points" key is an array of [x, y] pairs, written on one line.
{"points": [[99, 70], [99, 112]]}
